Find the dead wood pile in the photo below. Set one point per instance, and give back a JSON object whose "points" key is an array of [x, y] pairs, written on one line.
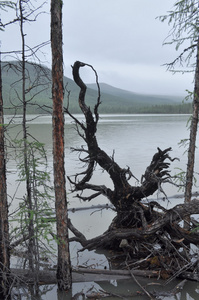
{"points": [[144, 234]]}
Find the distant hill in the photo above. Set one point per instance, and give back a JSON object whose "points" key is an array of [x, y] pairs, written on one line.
{"points": [[135, 97], [114, 100]]}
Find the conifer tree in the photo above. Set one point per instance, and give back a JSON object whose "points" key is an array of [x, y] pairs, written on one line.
{"points": [[185, 31]]}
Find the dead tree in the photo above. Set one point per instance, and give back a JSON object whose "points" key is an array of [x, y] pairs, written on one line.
{"points": [[143, 230], [4, 226], [124, 197], [63, 264]]}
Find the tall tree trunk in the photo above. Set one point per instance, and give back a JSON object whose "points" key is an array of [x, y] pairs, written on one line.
{"points": [[63, 265], [25, 150], [4, 227], [192, 138]]}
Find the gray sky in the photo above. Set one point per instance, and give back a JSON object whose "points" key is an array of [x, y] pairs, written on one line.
{"points": [[122, 39]]}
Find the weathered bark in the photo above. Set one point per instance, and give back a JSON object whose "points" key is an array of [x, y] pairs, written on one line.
{"points": [[147, 233], [63, 266], [80, 275], [164, 222], [4, 227], [192, 138], [160, 246], [124, 197], [88, 275]]}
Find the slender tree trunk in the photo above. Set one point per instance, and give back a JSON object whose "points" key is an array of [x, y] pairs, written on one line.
{"points": [[28, 184], [4, 227], [63, 266], [192, 138]]}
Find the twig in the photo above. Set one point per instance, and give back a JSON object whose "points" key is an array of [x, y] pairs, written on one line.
{"points": [[144, 290]]}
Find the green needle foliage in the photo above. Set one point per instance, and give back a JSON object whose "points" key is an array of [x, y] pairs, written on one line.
{"points": [[185, 31], [41, 214], [184, 19]]}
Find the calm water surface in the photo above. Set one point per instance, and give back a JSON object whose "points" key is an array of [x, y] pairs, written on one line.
{"points": [[134, 140]]}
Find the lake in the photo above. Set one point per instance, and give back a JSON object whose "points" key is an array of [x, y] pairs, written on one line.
{"points": [[134, 140]]}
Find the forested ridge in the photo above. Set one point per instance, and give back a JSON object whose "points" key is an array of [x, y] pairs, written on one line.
{"points": [[114, 100]]}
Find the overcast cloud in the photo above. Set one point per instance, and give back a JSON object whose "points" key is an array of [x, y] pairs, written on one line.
{"points": [[122, 39]]}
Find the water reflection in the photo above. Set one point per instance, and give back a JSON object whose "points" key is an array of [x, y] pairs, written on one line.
{"points": [[124, 289], [134, 138]]}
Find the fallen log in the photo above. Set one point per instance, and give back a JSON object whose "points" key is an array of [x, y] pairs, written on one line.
{"points": [[25, 276], [85, 275]]}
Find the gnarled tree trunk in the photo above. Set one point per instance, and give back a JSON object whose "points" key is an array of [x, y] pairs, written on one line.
{"points": [[124, 197], [151, 235]]}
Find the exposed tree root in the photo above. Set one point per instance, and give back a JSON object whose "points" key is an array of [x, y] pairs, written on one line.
{"points": [[163, 245], [149, 236]]}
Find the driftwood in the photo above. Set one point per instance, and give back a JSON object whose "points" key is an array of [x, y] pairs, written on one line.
{"points": [[78, 275], [167, 221], [123, 195], [24, 277], [165, 232], [144, 233]]}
